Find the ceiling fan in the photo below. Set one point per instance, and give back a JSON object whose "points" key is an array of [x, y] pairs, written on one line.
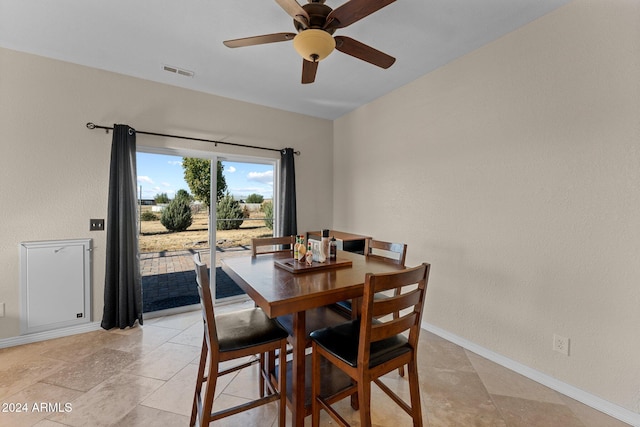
{"points": [[316, 23]]}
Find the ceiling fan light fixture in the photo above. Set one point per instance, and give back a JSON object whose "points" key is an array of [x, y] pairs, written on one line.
{"points": [[314, 45]]}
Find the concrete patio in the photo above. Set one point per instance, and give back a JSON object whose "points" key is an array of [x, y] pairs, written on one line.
{"points": [[168, 277]]}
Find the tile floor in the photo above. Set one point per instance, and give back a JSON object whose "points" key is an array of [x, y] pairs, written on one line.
{"points": [[145, 376]]}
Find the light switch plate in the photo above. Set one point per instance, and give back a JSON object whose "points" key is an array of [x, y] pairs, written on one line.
{"points": [[96, 224]]}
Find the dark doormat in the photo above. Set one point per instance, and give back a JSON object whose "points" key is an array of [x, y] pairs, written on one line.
{"points": [[163, 291]]}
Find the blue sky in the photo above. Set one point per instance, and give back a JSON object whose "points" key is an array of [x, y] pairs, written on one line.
{"points": [[164, 174]]}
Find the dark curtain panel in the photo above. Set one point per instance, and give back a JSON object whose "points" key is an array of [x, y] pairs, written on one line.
{"points": [[123, 285], [288, 216]]}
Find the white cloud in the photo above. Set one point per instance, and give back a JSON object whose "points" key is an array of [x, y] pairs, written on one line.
{"points": [[145, 179], [263, 177], [175, 162], [231, 169], [166, 184]]}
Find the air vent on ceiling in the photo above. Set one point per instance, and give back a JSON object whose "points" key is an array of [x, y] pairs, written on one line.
{"points": [[176, 70]]}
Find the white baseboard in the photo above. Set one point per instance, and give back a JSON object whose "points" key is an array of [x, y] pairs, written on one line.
{"points": [[48, 335], [588, 399]]}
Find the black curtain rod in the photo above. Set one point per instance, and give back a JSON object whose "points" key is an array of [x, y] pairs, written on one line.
{"points": [[107, 129]]}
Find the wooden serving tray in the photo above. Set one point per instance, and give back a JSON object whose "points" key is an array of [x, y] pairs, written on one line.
{"points": [[294, 266]]}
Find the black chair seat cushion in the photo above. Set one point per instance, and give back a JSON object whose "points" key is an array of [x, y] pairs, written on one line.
{"points": [[316, 318], [246, 328], [342, 341]]}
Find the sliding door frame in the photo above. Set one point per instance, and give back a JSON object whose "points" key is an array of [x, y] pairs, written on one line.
{"points": [[214, 158]]}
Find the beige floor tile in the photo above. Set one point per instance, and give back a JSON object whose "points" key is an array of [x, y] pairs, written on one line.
{"points": [[48, 423], [76, 347], [142, 416], [191, 336], [504, 382], [91, 370], [437, 352], [12, 355], [384, 412], [453, 394], [110, 401], [257, 417], [176, 395], [35, 403], [143, 339], [165, 361], [589, 416], [17, 375], [520, 412], [245, 383], [177, 321]]}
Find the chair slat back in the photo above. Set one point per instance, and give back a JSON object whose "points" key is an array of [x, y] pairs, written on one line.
{"points": [[204, 290], [372, 308], [271, 245], [390, 304], [395, 253]]}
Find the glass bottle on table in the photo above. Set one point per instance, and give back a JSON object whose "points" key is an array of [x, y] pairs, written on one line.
{"points": [[323, 256], [301, 250], [309, 255], [333, 249]]}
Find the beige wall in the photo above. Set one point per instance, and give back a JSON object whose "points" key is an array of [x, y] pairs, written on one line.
{"points": [[515, 171], [54, 171]]}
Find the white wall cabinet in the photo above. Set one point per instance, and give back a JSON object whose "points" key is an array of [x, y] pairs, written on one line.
{"points": [[55, 284]]}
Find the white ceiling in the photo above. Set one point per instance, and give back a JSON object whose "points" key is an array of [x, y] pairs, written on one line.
{"points": [[138, 37]]}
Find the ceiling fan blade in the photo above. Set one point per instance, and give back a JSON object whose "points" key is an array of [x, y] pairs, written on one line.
{"points": [[293, 8], [267, 38], [309, 70], [362, 51], [353, 11]]}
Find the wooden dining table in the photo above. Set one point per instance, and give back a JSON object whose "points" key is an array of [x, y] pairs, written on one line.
{"points": [[280, 292]]}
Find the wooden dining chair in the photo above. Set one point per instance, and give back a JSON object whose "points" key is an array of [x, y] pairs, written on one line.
{"points": [[367, 348], [232, 336], [394, 253], [271, 245]]}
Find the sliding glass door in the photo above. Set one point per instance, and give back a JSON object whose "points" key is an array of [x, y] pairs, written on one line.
{"points": [[186, 206]]}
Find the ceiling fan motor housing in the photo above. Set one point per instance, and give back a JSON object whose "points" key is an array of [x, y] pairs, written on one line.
{"points": [[314, 43], [318, 13]]}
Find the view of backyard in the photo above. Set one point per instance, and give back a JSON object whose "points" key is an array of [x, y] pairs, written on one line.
{"points": [[174, 223], [154, 237], [166, 258]]}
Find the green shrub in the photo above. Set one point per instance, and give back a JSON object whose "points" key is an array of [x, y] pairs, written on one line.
{"points": [[255, 198], [183, 193], [267, 208], [177, 216], [229, 214], [148, 216], [161, 198]]}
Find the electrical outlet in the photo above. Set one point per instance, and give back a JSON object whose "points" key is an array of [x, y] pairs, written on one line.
{"points": [[561, 344]]}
